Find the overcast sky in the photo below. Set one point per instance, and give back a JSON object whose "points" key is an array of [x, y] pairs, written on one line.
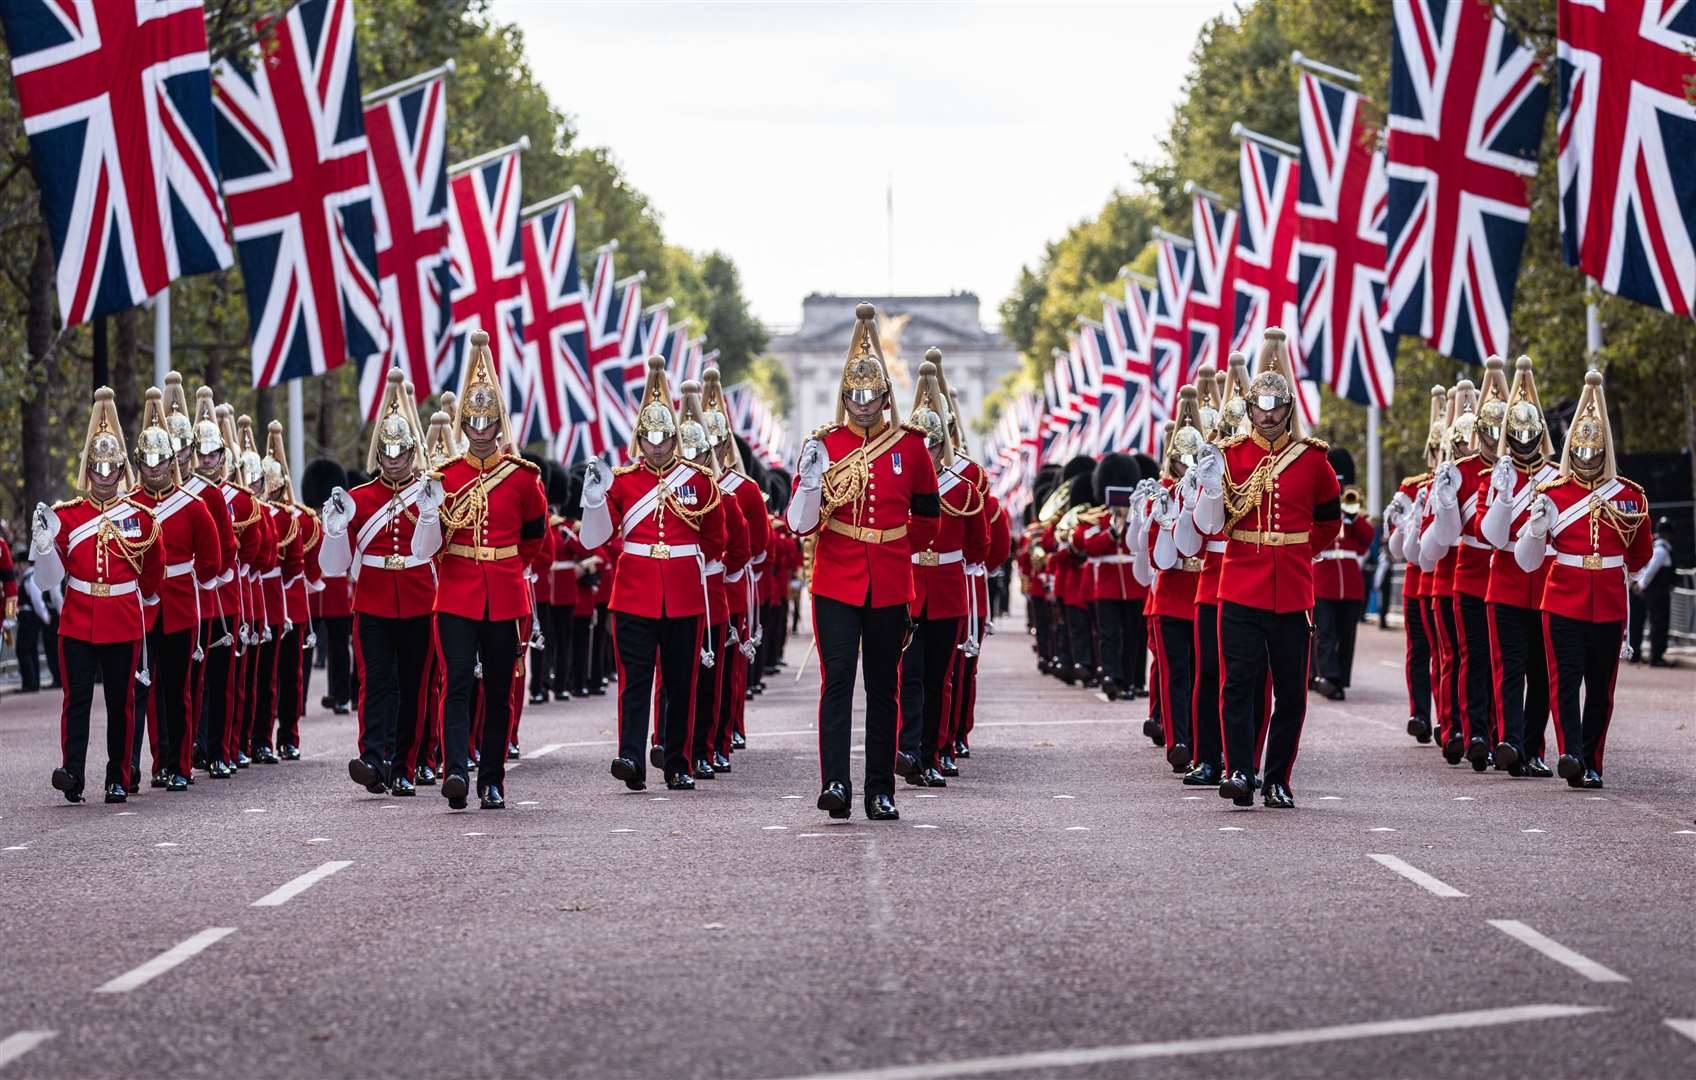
{"points": [[772, 131]]}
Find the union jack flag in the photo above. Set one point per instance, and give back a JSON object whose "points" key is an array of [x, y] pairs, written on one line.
{"points": [[1628, 147], [652, 341], [488, 267], [1117, 389], [1342, 208], [1466, 114], [615, 311], [297, 182], [1266, 260], [1085, 357], [1131, 331], [1174, 268], [559, 401], [1212, 303], [117, 103]]}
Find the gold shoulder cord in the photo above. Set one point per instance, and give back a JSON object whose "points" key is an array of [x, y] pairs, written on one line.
{"points": [[972, 508], [670, 501], [1241, 499], [1624, 523], [131, 550], [243, 526], [844, 483], [463, 511]]}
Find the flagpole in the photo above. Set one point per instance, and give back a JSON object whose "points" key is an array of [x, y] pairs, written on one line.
{"points": [[1238, 131], [1298, 59], [499, 152], [161, 335], [1193, 188], [572, 192], [1374, 462], [297, 429], [621, 283], [405, 84]]}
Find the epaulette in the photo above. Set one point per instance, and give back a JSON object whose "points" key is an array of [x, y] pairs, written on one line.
{"points": [[914, 428], [1415, 480], [526, 462], [1632, 484], [629, 467], [1467, 458], [1550, 485], [1317, 444], [824, 429], [64, 503], [1226, 444]]}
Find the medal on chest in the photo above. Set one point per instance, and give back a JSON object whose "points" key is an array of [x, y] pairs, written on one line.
{"points": [[895, 460]]}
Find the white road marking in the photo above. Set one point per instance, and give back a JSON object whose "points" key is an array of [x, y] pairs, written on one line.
{"points": [[124, 813], [1065, 796], [1687, 1028], [474, 834], [16, 847], [774, 828], [927, 796], [1531, 830], [791, 796], [1192, 798], [805, 835], [1416, 875], [1049, 1060], [254, 810], [165, 844], [544, 751], [1232, 828], [1557, 952], [529, 802], [659, 798], [288, 891], [16, 1045], [165, 961], [1681, 832], [926, 826], [1463, 798], [1595, 798], [1380, 828], [1077, 828], [1330, 798], [319, 840], [623, 830]]}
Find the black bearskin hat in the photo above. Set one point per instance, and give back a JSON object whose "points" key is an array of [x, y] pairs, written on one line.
{"points": [[317, 480], [1082, 465], [1115, 470], [1083, 489], [1342, 462]]}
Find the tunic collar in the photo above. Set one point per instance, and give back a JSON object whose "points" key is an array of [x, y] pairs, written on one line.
{"points": [[1274, 446], [868, 432]]}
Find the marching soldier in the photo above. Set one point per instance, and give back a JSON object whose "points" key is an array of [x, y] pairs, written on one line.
{"points": [[332, 602], [866, 486], [106, 550], [1402, 520], [1437, 559], [301, 536], [671, 519], [1275, 499], [556, 594], [1525, 461], [1339, 589], [1176, 554], [492, 524], [227, 635], [278, 553], [1587, 524], [189, 546], [1119, 596]]}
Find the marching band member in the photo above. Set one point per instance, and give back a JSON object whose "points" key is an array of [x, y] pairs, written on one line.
{"points": [[1587, 524], [1119, 597], [1520, 673], [105, 548], [190, 548], [1339, 589], [672, 521], [866, 487], [492, 523], [1274, 497]]}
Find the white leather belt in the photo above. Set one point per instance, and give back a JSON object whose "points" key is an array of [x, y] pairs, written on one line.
{"points": [[938, 558], [1591, 562], [715, 567], [271, 574], [1474, 542], [392, 562], [662, 551], [1216, 546], [296, 580], [976, 569], [101, 588], [738, 576], [179, 569], [1110, 560], [558, 566], [1339, 553]]}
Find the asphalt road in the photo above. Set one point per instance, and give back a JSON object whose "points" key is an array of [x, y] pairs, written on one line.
{"points": [[1064, 909]]}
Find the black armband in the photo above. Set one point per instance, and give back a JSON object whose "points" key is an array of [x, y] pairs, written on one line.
{"points": [[927, 504], [532, 529], [1329, 510]]}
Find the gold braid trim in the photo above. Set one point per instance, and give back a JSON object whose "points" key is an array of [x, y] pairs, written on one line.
{"points": [[845, 481], [669, 500], [1624, 523], [972, 507], [130, 550], [242, 526]]}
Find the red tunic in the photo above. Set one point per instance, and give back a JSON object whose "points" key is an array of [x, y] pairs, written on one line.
{"points": [[1508, 583], [1274, 576], [1336, 570], [105, 593], [1109, 561], [1471, 574], [1000, 546], [1173, 593], [1594, 592], [661, 568], [247, 526], [287, 562], [265, 560], [1411, 583], [298, 584], [961, 538], [865, 564], [387, 580], [480, 566], [734, 561], [192, 554], [748, 498]]}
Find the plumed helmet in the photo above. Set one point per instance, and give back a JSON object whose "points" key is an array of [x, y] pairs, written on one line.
{"points": [[1115, 470], [103, 449]]}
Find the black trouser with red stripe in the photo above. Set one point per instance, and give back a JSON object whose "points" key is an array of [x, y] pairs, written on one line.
{"points": [[395, 674], [676, 642], [1417, 665], [1334, 626], [703, 724], [1449, 659], [848, 635], [1080, 632], [292, 655], [1124, 641], [115, 664], [164, 704], [1251, 641], [1175, 638], [1478, 698], [554, 672], [1204, 706], [217, 691], [262, 694], [1521, 676], [925, 680], [1583, 654], [463, 643]]}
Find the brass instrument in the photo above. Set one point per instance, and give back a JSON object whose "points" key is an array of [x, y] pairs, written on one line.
{"points": [[1057, 503], [1068, 525]]}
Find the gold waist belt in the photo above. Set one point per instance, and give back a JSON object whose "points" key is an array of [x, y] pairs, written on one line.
{"points": [[483, 554], [1269, 539], [869, 536]]}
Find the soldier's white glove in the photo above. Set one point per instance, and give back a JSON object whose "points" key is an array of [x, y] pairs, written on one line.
{"points": [[1209, 470], [1400, 504], [1543, 514], [595, 482], [1501, 477], [44, 528], [1445, 487], [337, 513], [811, 465], [431, 498]]}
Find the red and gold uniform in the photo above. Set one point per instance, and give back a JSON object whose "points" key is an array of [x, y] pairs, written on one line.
{"points": [[1339, 590]]}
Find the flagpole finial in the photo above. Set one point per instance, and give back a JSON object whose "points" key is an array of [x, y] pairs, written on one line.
{"points": [[449, 66]]}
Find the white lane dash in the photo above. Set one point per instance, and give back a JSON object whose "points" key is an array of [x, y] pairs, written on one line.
{"points": [[1065, 796], [623, 830], [774, 828], [319, 840], [791, 796], [474, 834], [1050, 1061], [544, 750], [1463, 798], [659, 798], [1595, 798], [16, 847], [165, 961], [927, 826], [17, 1044], [1687, 1028], [927, 796], [529, 802], [1192, 798], [254, 810], [1557, 952], [1681, 832], [1532, 830], [1077, 828], [1232, 828], [124, 813], [1380, 828], [289, 890], [167, 843], [1416, 875]]}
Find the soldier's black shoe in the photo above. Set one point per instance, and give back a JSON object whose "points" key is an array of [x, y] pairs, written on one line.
{"points": [[962, 751], [242, 760], [1065, 675], [907, 767], [538, 697], [1454, 748], [1205, 774], [561, 695], [1538, 768], [656, 756], [1278, 797], [426, 776], [401, 787], [1110, 688], [289, 752], [115, 793], [1480, 766], [833, 800], [946, 766], [367, 775], [1419, 728], [157, 778], [1591, 779], [1237, 787], [1477, 750], [454, 790], [881, 807], [1326, 688], [1178, 756], [492, 799], [932, 778], [1569, 767], [1150, 729], [218, 770], [343, 709], [737, 741], [704, 770], [266, 756], [513, 753], [628, 771], [68, 785], [679, 782], [1507, 756], [200, 761], [177, 782], [327, 702]]}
